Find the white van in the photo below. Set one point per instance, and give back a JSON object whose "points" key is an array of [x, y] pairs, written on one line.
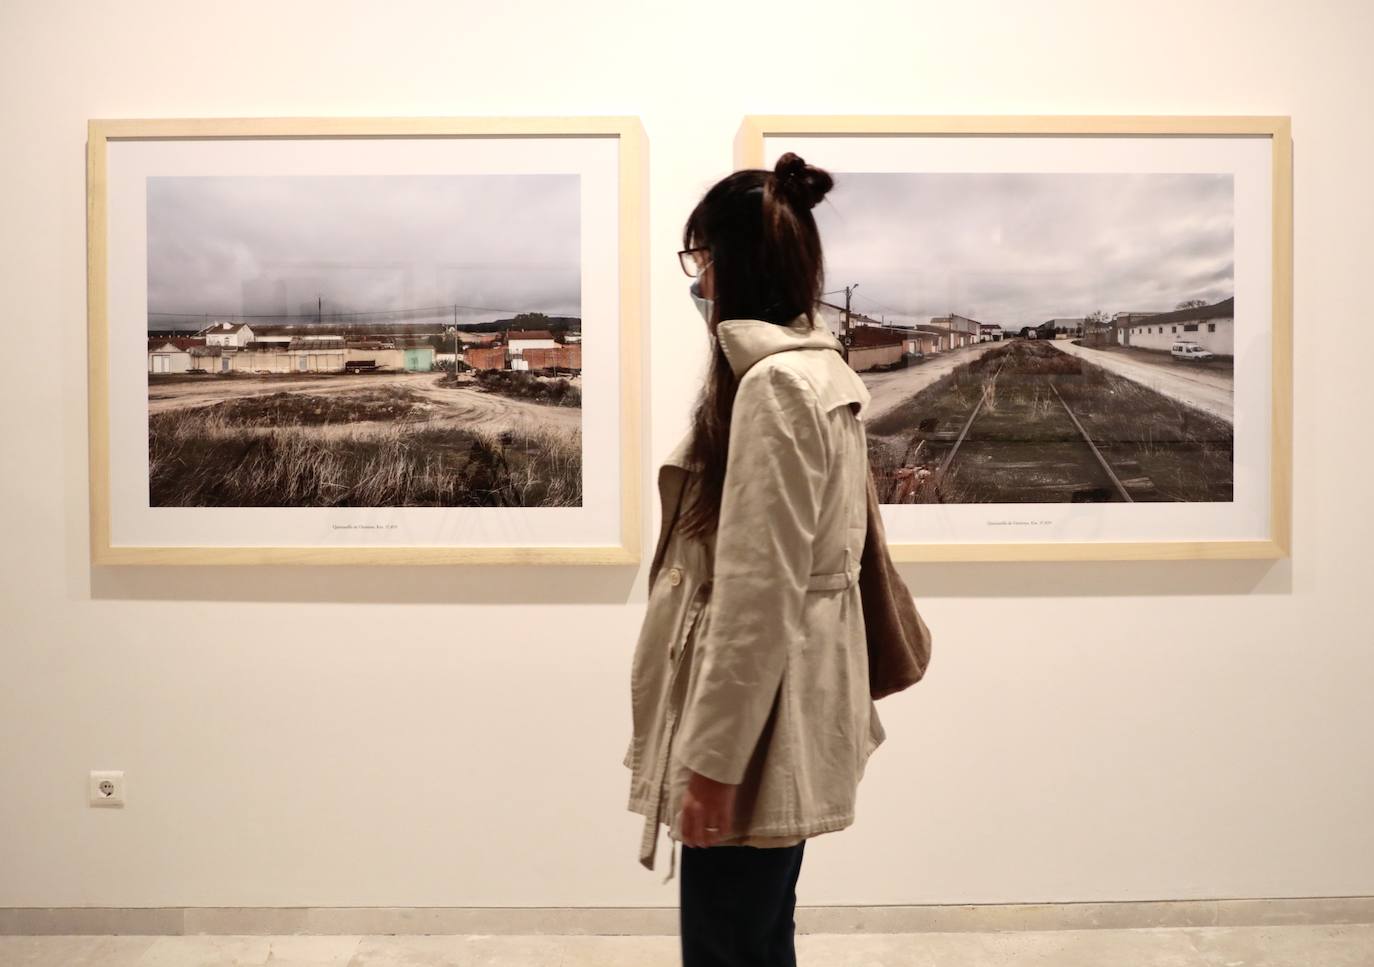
{"points": [[1183, 349]]}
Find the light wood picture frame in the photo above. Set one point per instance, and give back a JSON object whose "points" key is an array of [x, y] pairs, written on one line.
{"points": [[427, 404], [956, 245]]}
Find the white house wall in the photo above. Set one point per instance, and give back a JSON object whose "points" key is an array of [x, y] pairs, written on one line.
{"points": [[1221, 341], [177, 361]]}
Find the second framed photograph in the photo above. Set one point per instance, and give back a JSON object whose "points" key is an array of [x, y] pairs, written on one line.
{"points": [[365, 340], [1076, 331]]}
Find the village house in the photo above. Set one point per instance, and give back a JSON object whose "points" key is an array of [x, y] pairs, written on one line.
{"points": [[834, 318], [225, 347], [314, 352], [958, 330], [236, 334], [518, 340], [919, 339], [168, 357], [172, 354], [924, 339]]}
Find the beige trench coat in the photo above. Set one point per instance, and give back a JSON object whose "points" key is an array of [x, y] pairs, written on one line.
{"points": [[751, 666]]}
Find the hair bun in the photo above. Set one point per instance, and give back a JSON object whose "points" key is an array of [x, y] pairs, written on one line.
{"points": [[800, 182]]}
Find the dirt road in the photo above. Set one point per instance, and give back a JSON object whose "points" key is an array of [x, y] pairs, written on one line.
{"points": [[891, 388], [464, 407], [473, 409], [1209, 390], [172, 396]]}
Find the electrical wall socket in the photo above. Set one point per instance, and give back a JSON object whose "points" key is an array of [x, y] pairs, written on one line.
{"points": [[107, 788]]}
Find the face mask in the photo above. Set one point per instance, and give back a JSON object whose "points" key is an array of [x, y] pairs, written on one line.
{"points": [[703, 304]]}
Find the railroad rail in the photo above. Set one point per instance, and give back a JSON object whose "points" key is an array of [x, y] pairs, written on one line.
{"points": [[914, 477]]}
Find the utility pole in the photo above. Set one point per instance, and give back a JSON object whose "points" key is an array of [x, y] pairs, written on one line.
{"points": [[848, 293], [319, 310]]}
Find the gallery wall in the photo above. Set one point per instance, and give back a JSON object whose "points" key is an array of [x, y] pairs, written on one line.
{"points": [[453, 736]]}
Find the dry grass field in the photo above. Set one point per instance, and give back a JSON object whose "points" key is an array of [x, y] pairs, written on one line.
{"points": [[379, 441]]}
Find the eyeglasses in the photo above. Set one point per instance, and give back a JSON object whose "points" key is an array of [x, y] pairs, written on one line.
{"points": [[693, 260]]}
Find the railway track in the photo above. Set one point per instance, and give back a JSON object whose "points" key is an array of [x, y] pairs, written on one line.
{"points": [[1073, 467]]}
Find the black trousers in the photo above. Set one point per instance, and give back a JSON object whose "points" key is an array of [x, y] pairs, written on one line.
{"points": [[736, 905]]}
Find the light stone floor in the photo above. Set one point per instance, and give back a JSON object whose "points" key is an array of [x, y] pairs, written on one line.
{"points": [[1333, 945]]}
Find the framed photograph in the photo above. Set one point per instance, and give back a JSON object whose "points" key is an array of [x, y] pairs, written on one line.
{"points": [[365, 340], [1076, 331]]}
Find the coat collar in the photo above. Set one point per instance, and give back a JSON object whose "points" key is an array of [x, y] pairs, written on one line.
{"points": [[677, 457], [745, 342]]}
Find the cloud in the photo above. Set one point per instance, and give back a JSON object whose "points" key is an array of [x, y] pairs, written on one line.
{"points": [[1018, 249], [274, 245]]}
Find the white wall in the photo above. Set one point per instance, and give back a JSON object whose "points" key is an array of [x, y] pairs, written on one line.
{"points": [[453, 737]]}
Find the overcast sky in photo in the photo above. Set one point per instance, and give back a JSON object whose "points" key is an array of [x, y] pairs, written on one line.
{"points": [[1018, 249], [252, 245]]}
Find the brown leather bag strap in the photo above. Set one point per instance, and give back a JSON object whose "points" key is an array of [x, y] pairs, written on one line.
{"points": [[898, 638]]}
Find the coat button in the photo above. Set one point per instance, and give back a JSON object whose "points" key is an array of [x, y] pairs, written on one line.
{"points": [[675, 577]]}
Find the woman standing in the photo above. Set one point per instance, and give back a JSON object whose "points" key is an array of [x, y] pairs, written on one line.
{"points": [[752, 715]]}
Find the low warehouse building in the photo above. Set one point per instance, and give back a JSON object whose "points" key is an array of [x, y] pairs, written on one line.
{"points": [[1212, 327], [874, 346], [317, 354], [374, 357]]}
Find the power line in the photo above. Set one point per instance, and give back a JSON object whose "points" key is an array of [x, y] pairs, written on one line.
{"points": [[340, 315], [860, 295], [887, 309]]}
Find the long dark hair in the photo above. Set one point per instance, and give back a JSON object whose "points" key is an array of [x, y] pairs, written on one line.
{"points": [[766, 264]]}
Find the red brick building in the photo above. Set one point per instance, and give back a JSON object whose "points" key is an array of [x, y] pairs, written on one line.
{"points": [[563, 357], [492, 357]]}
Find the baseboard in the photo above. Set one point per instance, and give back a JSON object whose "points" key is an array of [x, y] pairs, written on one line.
{"points": [[660, 921]]}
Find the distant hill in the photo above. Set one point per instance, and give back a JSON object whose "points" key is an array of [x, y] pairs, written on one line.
{"points": [[528, 320], [290, 324]]}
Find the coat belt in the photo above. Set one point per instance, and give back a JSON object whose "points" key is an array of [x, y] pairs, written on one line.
{"points": [[835, 580], [648, 844]]}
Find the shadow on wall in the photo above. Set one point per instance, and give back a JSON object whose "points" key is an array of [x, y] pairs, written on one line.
{"points": [[507, 584]]}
